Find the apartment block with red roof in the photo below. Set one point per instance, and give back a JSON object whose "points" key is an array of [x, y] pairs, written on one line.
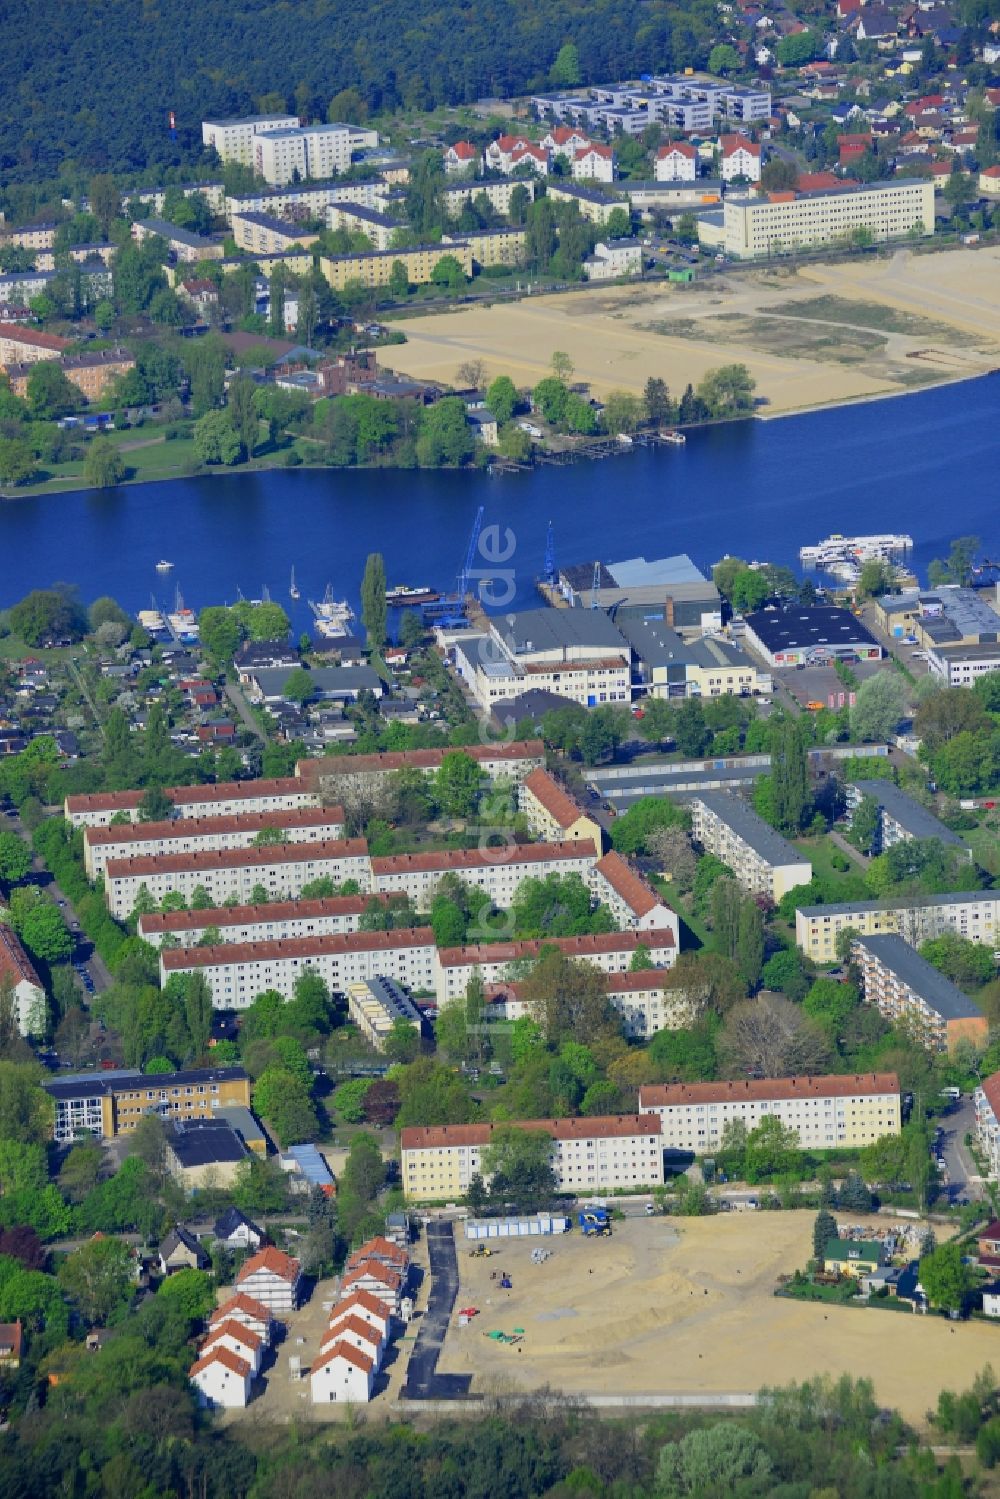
{"points": [[28, 345], [274, 921], [221, 799], [17, 971], [741, 157], [335, 774], [989, 182], [987, 1101], [497, 870], [825, 1112], [644, 998], [588, 1155], [612, 952], [553, 815], [184, 835], [633, 903], [236, 972], [677, 162], [594, 163]]}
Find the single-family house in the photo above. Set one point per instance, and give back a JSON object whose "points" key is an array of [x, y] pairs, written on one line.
{"points": [[461, 157], [378, 1279], [273, 1278], [237, 1231], [11, 1344], [180, 1250], [854, 1257], [991, 1299], [366, 1306], [381, 1249], [246, 1310], [358, 1333], [223, 1379], [344, 1374], [239, 1339]]}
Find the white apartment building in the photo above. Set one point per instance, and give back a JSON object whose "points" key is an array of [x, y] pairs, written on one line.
{"points": [[613, 258], [498, 871], [337, 774], [974, 914], [320, 917], [825, 1112], [315, 152], [497, 194], [633, 903], [900, 816], [610, 951], [987, 1100], [263, 234], [593, 163], [222, 1379], [187, 835], [778, 223], [281, 869], [305, 200], [740, 158], [234, 139], [575, 653], [17, 971], [677, 162], [763, 862], [237, 972], [588, 1155], [222, 799], [641, 997]]}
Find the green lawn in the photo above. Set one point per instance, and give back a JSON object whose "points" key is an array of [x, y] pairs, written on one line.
{"points": [[821, 853], [985, 845]]}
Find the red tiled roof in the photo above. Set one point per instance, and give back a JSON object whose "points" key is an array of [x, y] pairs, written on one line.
{"points": [[508, 142], [477, 858], [275, 911], [537, 153], [363, 1298], [344, 1322], [249, 1305], [629, 885], [184, 796], [991, 1084], [464, 150], [296, 947], [237, 858], [605, 152], [563, 133], [373, 1270], [381, 1249], [732, 143], [556, 801], [346, 1351], [34, 337], [817, 182], [12, 1337], [530, 947], [421, 759], [15, 965], [669, 1095], [634, 980], [677, 148], [232, 1329], [272, 1260], [224, 1356], [603, 1127], [206, 827]]}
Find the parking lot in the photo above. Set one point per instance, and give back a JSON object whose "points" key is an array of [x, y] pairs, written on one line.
{"points": [[816, 684]]}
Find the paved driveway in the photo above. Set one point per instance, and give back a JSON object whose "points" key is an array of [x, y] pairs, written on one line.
{"points": [[422, 1380], [957, 1123]]}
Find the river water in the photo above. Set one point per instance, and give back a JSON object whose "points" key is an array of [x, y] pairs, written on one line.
{"points": [[925, 463]]}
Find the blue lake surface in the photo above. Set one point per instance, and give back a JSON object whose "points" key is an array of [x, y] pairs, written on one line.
{"points": [[924, 463]]}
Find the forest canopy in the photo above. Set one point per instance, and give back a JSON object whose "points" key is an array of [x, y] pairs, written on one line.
{"points": [[97, 96]]}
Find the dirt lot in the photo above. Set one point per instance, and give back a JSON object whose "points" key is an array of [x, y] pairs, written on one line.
{"points": [[812, 337], [686, 1306]]}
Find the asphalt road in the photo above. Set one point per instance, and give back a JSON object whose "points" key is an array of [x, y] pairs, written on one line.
{"points": [[961, 1168], [83, 954], [422, 1380]]}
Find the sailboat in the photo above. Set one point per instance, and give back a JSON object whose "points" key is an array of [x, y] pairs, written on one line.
{"points": [[294, 591]]}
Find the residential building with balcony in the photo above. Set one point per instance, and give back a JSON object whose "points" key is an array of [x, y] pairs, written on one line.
{"points": [[762, 861], [909, 992]]}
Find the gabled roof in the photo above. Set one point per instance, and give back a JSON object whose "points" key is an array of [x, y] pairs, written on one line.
{"points": [[677, 148], [634, 891], [365, 1299], [732, 143], [464, 150], [557, 802], [373, 1270], [605, 152], [178, 1238], [379, 1248], [226, 1358], [231, 1220], [273, 1261], [248, 1305], [345, 1351], [236, 1330], [339, 1326]]}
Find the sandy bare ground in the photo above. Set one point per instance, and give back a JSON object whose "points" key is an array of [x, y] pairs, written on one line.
{"points": [[619, 337], [686, 1306]]}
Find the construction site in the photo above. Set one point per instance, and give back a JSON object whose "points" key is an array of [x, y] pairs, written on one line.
{"points": [[686, 1307]]}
